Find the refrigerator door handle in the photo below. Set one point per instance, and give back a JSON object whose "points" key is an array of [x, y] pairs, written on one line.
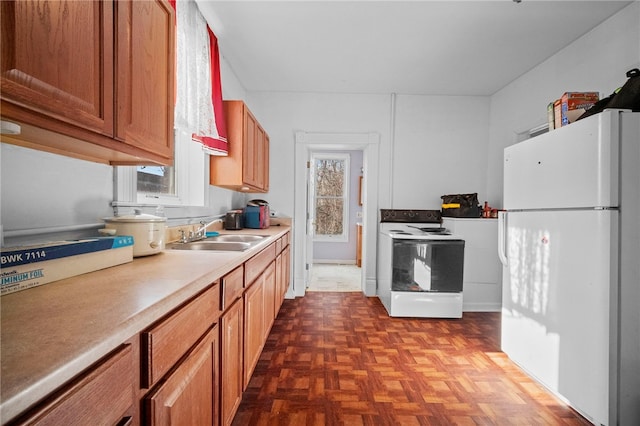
{"points": [[502, 235]]}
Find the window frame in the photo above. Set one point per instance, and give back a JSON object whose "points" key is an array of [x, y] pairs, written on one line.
{"points": [[191, 182], [344, 237]]}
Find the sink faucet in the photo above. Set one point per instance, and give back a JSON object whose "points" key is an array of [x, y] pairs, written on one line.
{"points": [[203, 227], [199, 234]]}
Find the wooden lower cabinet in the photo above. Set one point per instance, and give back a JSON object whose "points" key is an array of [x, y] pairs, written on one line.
{"points": [[231, 353], [286, 271], [103, 396], [189, 395], [279, 282], [253, 327], [270, 310], [283, 274], [169, 339], [189, 367]]}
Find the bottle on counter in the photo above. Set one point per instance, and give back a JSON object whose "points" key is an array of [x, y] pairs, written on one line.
{"points": [[486, 210]]}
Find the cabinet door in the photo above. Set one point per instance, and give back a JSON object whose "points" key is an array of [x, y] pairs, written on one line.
{"points": [[253, 327], [145, 75], [279, 282], [259, 163], [189, 394], [104, 396], [270, 310], [231, 362], [57, 63], [286, 266], [267, 151], [250, 152]]}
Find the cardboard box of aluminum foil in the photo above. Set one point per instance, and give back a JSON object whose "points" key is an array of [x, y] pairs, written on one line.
{"points": [[31, 266]]}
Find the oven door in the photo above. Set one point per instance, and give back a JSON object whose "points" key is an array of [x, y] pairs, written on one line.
{"points": [[427, 265]]}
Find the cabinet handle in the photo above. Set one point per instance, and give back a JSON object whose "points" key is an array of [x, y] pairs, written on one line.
{"points": [[125, 421], [224, 289]]}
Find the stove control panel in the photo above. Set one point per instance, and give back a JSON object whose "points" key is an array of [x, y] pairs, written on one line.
{"points": [[410, 216]]}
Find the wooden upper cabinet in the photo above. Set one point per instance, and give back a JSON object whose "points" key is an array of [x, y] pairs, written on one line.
{"points": [[261, 166], [56, 63], [250, 150], [246, 168], [90, 79], [145, 82]]}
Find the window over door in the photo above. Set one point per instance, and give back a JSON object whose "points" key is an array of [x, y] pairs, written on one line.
{"points": [[331, 206]]}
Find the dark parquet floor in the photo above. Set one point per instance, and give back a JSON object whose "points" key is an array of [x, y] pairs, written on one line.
{"points": [[338, 359]]}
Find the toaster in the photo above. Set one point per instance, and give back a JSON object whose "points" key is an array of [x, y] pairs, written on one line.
{"points": [[233, 219], [256, 217]]}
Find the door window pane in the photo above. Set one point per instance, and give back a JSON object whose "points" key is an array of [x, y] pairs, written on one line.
{"points": [[331, 172]]}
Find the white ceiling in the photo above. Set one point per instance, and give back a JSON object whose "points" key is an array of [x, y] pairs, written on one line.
{"points": [[409, 47]]}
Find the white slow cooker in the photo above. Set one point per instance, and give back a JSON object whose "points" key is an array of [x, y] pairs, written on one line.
{"points": [[148, 231]]}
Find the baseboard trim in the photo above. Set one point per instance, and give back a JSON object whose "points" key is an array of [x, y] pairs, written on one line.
{"points": [[335, 261]]}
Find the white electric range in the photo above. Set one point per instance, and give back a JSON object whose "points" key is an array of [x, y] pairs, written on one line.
{"points": [[420, 265]]}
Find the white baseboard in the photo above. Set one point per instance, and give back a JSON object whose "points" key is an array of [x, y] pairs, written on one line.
{"points": [[481, 307], [335, 261]]}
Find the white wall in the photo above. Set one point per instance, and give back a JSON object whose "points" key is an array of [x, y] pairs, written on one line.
{"points": [[42, 190], [439, 148], [597, 62], [282, 114], [439, 145]]}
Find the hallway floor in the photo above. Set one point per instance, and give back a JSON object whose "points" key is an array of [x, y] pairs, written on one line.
{"points": [[335, 277], [339, 359]]}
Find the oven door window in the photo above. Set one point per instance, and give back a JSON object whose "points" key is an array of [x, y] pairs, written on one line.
{"points": [[421, 265]]}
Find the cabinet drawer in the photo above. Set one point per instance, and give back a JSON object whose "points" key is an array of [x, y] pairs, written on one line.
{"points": [[258, 263], [168, 340], [232, 287], [189, 395], [279, 245], [104, 396]]}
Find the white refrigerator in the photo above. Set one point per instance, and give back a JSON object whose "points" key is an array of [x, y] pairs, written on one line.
{"points": [[569, 242]]}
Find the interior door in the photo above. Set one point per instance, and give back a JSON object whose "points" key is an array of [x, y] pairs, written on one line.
{"points": [[311, 221]]}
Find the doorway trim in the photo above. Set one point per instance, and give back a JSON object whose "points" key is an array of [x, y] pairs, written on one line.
{"points": [[305, 143]]}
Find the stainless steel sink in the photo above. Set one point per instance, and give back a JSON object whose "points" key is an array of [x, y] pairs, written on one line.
{"points": [[225, 242], [237, 238], [211, 245]]}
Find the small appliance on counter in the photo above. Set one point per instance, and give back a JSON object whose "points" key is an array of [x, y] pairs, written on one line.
{"points": [[148, 231], [256, 214], [233, 220]]}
